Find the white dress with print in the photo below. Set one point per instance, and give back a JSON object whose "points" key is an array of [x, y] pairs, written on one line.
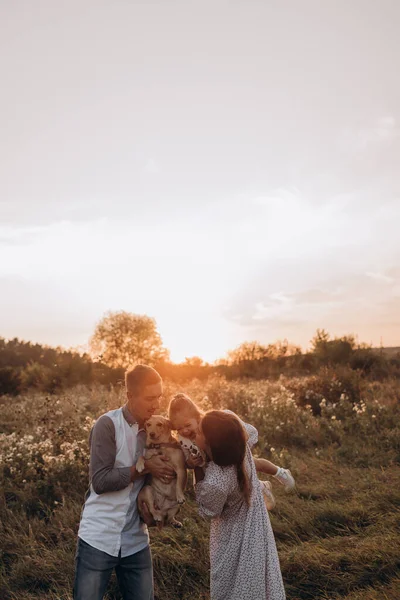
{"points": [[243, 556]]}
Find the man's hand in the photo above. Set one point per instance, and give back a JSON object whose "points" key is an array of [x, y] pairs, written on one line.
{"points": [[160, 467]]}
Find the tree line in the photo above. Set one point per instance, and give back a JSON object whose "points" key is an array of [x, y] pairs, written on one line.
{"points": [[121, 339]]}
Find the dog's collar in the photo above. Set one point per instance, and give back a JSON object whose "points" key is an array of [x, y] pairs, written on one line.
{"points": [[163, 445]]}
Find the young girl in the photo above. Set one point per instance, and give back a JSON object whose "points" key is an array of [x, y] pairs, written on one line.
{"points": [[243, 557], [185, 417]]}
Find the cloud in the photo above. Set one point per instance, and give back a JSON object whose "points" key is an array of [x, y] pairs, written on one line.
{"points": [[42, 312], [298, 307], [380, 277], [279, 198], [380, 133], [353, 303], [20, 235], [51, 250], [277, 305], [151, 167]]}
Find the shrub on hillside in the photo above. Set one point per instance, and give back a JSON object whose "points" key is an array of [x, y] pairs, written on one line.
{"points": [[10, 381], [329, 385]]}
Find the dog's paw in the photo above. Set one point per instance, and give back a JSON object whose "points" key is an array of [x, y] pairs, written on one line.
{"points": [[176, 524], [140, 464], [180, 498]]}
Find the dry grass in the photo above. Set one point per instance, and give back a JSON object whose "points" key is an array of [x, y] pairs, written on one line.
{"points": [[338, 536]]}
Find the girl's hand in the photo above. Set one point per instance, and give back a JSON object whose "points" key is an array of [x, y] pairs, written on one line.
{"points": [[194, 461]]}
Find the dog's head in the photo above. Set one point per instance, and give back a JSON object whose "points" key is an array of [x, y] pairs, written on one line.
{"points": [[158, 430]]}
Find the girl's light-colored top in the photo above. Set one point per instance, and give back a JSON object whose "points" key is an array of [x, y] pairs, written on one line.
{"points": [[189, 448]]}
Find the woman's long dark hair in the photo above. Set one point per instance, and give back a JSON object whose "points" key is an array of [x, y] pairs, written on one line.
{"points": [[227, 440]]}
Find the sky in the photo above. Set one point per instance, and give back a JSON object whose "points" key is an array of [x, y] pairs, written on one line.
{"points": [[228, 168]]}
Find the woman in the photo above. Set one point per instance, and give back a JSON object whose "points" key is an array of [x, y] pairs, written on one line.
{"points": [[243, 555]]}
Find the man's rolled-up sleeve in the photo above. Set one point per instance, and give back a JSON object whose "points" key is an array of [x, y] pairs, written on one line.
{"points": [[104, 477]]}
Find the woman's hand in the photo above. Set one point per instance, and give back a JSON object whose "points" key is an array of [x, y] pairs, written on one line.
{"points": [[194, 461], [198, 474]]}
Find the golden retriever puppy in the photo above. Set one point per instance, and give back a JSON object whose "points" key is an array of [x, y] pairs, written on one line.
{"points": [[161, 496]]}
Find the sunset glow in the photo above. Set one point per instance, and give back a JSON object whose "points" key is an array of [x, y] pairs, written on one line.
{"points": [[247, 193]]}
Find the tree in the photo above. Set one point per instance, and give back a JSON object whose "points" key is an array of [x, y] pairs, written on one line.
{"points": [[10, 382], [194, 361], [336, 351], [254, 351], [121, 339], [320, 341], [247, 351]]}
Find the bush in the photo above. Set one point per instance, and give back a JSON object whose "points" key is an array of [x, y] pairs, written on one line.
{"points": [[10, 381]]}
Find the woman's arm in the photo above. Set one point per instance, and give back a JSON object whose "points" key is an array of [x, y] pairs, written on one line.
{"points": [[262, 465], [251, 431], [198, 474], [210, 497]]}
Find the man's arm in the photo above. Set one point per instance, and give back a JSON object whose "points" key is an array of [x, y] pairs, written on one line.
{"points": [[104, 476]]}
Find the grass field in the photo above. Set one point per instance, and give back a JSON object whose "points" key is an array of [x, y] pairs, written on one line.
{"points": [[338, 535]]}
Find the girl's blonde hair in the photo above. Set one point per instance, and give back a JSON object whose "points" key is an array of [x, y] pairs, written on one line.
{"points": [[182, 402]]}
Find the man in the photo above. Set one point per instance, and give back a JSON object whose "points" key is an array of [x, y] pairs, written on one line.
{"points": [[111, 534]]}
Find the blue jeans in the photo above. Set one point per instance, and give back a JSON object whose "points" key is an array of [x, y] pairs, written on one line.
{"points": [[93, 570]]}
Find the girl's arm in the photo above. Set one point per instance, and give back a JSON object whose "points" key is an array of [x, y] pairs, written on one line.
{"points": [[265, 466]]}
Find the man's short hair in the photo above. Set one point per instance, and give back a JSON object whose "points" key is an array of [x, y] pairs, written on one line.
{"points": [[139, 377]]}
